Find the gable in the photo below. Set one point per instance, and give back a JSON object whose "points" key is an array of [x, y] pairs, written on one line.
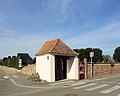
{"points": [[57, 47]]}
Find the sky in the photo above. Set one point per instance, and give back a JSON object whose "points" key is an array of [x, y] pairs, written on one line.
{"points": [[26, 24]]}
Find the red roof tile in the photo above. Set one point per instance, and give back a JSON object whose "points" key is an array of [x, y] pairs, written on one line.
{"points": [[56, 47]]}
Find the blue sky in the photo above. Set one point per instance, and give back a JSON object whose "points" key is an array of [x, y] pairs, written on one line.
{"points": [[26, 24]]}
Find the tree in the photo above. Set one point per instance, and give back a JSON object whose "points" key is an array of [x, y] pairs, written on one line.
{"points": [[82, 53], [106, 58], [5, 58], [26, 59], [4, 61], [0, 61], [9, 61], [34, 60], [85, 53], [116, 55], [13, 61], [97, 55]]}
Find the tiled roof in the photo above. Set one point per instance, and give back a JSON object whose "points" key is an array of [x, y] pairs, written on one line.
{"points": [[56, 47]]}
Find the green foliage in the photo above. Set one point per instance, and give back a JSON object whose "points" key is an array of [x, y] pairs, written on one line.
{"points": [[0, 61], [106, 58], [14, 60], [97, 55], [82, 53], [10, 62], [34, 77], [26, 59], [34, 60], [85, 53], [5, 58], [116, 55]]}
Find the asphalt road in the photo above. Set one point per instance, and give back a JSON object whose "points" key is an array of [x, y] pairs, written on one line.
{"points": [[7, 87], [107, 86]]}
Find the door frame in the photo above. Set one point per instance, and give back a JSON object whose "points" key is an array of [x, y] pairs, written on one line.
{"points": [[60, 67]]}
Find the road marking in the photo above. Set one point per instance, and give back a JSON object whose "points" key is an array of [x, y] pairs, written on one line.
{"points": [[110, 89], [75, 84], [58, 83], [91, 84], [5, 77], [97, 87]]}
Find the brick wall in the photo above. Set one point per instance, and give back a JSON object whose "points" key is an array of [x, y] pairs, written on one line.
{"points": [[103, 69]]}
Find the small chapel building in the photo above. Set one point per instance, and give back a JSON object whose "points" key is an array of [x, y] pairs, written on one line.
{"points": [[56, 61]]}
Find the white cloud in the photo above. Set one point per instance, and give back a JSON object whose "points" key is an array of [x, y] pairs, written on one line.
{"points": [[65, 5], [106, 37], [23, 43], [7, 32]]}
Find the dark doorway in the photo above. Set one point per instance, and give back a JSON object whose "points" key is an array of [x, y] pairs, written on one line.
{"points": [[60, 67]]}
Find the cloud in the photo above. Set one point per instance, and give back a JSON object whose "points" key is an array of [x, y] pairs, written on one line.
{"points": [[106, 37], [23, 42], [108, 32], [7, 32], [65, 5]]}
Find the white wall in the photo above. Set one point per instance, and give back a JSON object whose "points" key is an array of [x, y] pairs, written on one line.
{"points": [[45, 66], [52, 68], [72, 68]]}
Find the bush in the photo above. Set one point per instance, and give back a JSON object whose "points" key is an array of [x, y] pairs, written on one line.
{"points": [[26, 59], [14, 60], [35, 77]]}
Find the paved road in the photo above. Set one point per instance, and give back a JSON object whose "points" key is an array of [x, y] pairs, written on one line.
{"points": [[109, 86], [7, 87], [10, 86]]}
